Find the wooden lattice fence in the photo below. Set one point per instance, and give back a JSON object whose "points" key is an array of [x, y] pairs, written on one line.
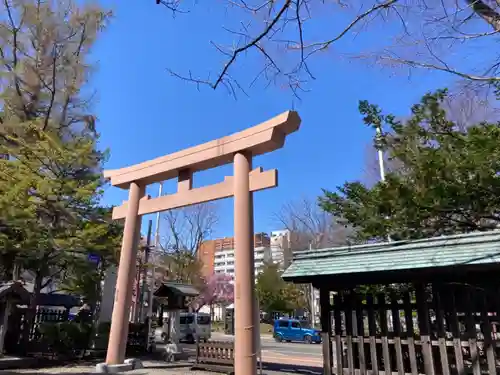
{"points": [[427, 329]]}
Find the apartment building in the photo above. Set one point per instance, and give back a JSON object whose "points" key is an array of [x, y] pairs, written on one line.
{"points": [[206, 255], [217, 255], [281, 252]]}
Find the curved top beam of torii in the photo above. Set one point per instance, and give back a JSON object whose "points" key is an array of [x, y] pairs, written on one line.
{"points": [[260, 139]]}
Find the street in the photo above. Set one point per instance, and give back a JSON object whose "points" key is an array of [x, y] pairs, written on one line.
{"points": [[291, 353], [285, 352], [307, 355]]}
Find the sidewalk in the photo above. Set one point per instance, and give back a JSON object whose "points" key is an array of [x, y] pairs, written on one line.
{"points": [[8, 362], [150, 368], [160, 368]]}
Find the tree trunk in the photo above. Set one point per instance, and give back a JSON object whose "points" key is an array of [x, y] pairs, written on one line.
{"points": [[487, 13], [96, 310], [223, 311]]}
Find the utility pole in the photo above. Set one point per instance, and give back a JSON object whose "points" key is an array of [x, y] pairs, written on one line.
{"points": [[311, 297], [145, 271], [157, 229], [381, 166], [156, 245]]}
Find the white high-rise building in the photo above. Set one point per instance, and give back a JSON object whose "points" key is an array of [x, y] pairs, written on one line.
{"points": [[280, 247], [224, 260]]}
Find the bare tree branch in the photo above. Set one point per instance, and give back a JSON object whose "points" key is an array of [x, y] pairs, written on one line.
{"points": [[185, 230], [310, 226], [420, 35], [443, 68], [47, 87], [173, 5], [188, 227]]}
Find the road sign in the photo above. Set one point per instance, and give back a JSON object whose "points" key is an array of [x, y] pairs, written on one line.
{"points": [[94, 258]]}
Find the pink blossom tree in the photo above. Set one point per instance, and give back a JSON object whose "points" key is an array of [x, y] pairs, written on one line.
{"points": [[218, 290]]}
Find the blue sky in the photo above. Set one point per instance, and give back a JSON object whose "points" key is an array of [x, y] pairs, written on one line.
{"points": [[144, 113]]}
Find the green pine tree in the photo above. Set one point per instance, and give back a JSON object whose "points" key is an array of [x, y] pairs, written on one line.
{"points": [[274, 294], [51, 182], [447, 178]]}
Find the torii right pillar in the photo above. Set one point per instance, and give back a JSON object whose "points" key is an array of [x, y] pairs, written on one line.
{"points": [[244, 286]]}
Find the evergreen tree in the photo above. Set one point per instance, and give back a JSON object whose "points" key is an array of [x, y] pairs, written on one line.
{"points": [[274, 294], [51, 182], [447, 180]]}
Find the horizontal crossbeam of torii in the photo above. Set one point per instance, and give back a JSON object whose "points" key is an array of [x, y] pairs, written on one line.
{"points": [[259, 180], [239, 149]]}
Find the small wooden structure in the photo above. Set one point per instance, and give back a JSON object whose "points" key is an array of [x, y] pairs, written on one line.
{"points": [[215, 356], [171, 296], [409, 307], [52, 307], [174, 295], [11, 293]]}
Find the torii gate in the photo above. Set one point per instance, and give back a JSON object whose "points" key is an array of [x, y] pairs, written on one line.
{"points": [[238, 148]]}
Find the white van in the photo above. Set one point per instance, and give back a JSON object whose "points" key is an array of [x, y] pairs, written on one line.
{"points": [[195, 325]]}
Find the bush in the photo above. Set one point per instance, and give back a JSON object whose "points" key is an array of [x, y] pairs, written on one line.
{"points": [[64, 338], [136, 341]]}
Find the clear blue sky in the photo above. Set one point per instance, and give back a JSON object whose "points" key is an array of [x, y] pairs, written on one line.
{"points": [[144, 113]]}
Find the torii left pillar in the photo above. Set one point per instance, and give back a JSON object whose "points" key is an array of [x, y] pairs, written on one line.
{"points": [[124, 284]]}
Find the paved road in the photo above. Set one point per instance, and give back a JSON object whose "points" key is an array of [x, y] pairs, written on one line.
{"points": [[284, 352], [292, 353]]}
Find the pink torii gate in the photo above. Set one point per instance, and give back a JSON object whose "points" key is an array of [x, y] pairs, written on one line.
{"points": [[238, 148]]}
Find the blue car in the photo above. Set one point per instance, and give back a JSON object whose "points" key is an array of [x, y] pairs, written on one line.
{"points": [[295, 330]]}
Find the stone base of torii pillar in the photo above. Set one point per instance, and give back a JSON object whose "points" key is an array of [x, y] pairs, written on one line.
{"points": [[128, 365]]}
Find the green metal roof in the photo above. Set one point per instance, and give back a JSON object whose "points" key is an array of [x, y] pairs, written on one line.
{"points": [[176, 288], [14, 289], [465, 249]]}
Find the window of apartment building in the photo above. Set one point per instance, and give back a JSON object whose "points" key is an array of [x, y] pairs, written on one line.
{"points": [[230, 262], [230, 270]]}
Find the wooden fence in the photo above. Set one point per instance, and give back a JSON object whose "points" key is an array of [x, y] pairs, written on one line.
{"points": [[50, 315], [429, 329]]}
